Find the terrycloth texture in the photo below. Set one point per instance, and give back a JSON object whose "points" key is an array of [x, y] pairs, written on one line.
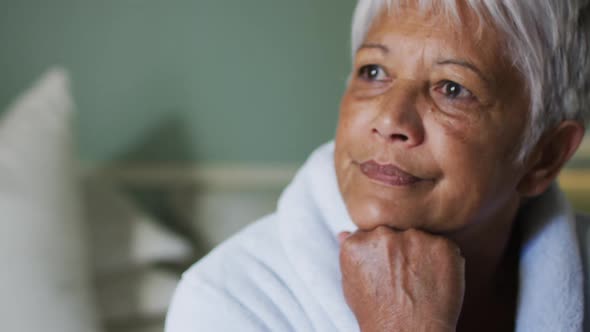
{"points": [[551, 292], [282, 273]]}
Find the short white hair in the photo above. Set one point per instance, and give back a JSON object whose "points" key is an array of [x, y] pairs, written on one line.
{"points": [[547, 40]]}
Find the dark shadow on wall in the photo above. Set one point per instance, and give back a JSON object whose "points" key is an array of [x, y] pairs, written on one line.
{"points": [[164, 148], [168, 142]]}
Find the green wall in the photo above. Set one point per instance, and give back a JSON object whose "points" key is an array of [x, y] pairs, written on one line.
{"points": [[200, 80]]}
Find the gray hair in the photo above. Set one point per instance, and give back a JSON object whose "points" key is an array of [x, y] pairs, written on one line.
{"points": [[547, 40]]}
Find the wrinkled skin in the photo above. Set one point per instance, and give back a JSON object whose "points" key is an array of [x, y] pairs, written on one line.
{"points": [[416, 278], [446, 109], [461, 145]]}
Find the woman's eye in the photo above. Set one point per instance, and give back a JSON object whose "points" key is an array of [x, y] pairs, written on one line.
{"points": [[454, 90], [372, 73]]}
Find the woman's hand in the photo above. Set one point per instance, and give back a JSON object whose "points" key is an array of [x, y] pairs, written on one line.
{"points": [[402, 281]]}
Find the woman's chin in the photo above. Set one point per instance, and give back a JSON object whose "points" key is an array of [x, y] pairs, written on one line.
{"points": [[370, 214]]}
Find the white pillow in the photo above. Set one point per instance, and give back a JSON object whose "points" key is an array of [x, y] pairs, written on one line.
{"points": [[123, 236], [44, 279]]}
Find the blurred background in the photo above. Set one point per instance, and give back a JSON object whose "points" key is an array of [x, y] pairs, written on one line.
{"points": [[190, 117], [183, 80]]}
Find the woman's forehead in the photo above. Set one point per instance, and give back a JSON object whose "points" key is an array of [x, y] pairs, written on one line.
{"points": [[452, 9], [464, 18], [396, 29], [459, 16]]}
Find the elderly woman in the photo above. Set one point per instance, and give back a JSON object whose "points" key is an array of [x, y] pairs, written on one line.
{"points": [[435, 208]]}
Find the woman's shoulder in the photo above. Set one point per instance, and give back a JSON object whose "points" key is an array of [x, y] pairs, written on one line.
{"points": [[256, 247], [247, 275]]}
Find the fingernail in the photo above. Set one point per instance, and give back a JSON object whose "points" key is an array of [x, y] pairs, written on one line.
{"points": [[342, 236]]}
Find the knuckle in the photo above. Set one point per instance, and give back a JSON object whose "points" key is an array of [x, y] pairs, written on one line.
{"points": [[412, 232], [442, 244], [413, 237], [348, 244], [447, 246], [382, 230], [353, 243], [386, 236]]}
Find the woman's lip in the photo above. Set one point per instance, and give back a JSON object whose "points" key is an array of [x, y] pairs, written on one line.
{"points": [[387, 174]]}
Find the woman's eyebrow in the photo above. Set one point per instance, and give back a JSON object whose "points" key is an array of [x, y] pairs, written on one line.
{"points": [[466, 64], [380, 47]]}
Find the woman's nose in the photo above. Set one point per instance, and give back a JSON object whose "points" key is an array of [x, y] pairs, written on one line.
{"points": [[398, 120]]}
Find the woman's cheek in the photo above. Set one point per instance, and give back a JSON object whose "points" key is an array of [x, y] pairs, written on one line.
{"points": [[356, 116], [465, 127]]}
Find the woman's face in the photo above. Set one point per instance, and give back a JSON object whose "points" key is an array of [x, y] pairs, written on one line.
{"points": [[430, 126]]}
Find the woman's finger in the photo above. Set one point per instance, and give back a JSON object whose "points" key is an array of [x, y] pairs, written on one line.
{"points": [[343, 236]]}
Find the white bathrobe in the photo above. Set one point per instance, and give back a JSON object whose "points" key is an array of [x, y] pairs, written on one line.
{"points": [[282, 273]]}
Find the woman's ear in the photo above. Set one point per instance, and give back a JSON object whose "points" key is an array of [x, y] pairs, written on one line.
{"points": [[549, 156]]}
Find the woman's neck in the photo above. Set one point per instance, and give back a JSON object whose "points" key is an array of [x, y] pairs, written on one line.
{"points": [[491, 274]]}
